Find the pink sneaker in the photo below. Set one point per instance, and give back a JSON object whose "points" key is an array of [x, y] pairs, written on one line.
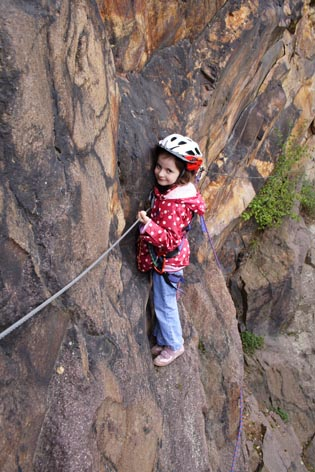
{"points": [[167, 356], [156, 350]]}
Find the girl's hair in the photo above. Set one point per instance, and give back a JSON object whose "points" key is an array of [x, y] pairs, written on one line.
{"points": [[185, 176]]}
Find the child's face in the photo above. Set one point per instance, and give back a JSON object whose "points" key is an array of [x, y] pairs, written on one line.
{"points": [[165, 171]]}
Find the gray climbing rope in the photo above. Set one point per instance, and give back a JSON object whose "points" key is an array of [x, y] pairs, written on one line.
{"points": [[64, 289]]}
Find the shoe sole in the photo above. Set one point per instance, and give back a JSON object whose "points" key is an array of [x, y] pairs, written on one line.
{"points": [[164, 363]]}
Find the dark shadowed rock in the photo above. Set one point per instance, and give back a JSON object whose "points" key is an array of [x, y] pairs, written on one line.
{"points": [[86, 90]]}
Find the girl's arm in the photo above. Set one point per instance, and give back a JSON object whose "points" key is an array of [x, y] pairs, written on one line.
{"points": [[168, 234]]}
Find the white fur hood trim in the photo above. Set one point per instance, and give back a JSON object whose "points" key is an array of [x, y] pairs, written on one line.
{"points": [[182, 191]]}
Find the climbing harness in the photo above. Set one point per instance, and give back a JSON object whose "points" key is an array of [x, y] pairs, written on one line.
{"points": [[64, 289], [159, 261]]}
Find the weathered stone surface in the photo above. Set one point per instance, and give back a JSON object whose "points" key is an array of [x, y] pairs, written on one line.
{"points": [[268, 284], [271, 443], [281, 375], [137, 29], [53, 165], [234, 100], [309, 454], [79, 391]]}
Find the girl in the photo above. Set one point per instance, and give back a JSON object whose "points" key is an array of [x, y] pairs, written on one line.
{"points": [[163, 245]]}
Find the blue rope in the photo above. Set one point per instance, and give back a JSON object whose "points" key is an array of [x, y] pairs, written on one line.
{"points": [[239, 435], [240, 428], [205, 230]]}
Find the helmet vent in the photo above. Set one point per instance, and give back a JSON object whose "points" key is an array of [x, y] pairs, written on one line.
{"points": [[183, 148]]}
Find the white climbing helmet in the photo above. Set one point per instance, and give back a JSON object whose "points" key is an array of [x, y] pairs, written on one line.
{"points": [[184, 148]]}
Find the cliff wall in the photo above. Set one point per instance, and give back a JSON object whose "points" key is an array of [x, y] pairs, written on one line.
{"points": [[86, 90]]}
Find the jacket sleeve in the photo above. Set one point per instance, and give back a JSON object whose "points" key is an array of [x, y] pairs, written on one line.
{"points": [[199, 206], [168, 234]]}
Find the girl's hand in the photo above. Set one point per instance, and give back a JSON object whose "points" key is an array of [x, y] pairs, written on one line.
{"points": [[142, 216]]}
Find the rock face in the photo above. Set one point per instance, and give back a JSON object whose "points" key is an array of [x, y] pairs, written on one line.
{"points": [[86, 90], [280, 377], [269, 282], [276, 301], [138, 29]]}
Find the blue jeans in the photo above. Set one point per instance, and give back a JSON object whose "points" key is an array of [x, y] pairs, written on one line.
{"points": [[168, 329]]}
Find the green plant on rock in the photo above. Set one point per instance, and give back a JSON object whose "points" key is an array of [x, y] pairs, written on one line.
{"points": [[251, 342], [201, 346], [282, 413], [276, 198], [307, 198]]}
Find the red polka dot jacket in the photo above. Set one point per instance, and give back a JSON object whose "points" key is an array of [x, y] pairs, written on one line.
{"points": [[170, 215]]}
